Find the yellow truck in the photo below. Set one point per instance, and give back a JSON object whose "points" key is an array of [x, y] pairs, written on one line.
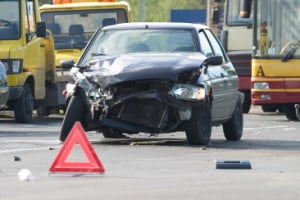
{"points": [[72, 23], [27, 53]]}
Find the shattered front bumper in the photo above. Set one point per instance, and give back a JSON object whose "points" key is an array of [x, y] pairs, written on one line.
{"points": [[148, 111]]}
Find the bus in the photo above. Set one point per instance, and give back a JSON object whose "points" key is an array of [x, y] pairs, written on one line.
{"points": [[275, 75], [236, 37]]}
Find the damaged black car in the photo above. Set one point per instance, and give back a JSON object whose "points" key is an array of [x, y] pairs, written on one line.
{"points": [[154, 78]]}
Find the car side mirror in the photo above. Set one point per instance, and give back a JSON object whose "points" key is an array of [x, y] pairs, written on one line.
{"points": [[214, 60]]}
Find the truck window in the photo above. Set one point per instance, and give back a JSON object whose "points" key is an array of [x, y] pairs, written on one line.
{"points": [[233, 14], [277, 29], [10, 20], [30, 18], [60, 23]]}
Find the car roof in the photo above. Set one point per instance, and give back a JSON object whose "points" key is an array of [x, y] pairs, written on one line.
{"points": [[150, 25]]}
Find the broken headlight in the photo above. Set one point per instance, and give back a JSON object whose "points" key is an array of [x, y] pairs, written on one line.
{"points": [[187, 92], [78, 79]]}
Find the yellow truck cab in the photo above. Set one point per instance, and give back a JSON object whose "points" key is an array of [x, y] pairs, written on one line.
{"points": [[72, 23], [28, 56]]}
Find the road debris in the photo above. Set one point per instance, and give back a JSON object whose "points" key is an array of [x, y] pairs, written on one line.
{"points": [[17, 158], [232, 164], [25, 175]]}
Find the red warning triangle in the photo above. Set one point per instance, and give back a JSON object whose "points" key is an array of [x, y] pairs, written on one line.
{"points": [[77, 136]]}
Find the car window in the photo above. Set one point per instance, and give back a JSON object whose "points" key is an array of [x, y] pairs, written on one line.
{"points": [[214, 72], [205, 47], [215, 44]]}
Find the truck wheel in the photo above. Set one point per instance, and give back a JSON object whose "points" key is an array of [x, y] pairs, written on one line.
{"points": [[76, 111], [24, 106], [247, 102], [268, 108], [233, 129], [290, 112], [198, 130], [42, 111]]}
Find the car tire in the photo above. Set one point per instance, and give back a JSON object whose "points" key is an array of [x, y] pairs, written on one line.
{"points": [[75, 112], [24, 106], [233, 129], [112, 133], [198, 130], [290, 112]]}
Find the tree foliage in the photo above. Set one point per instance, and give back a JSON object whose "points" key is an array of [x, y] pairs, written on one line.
{"points": [[155, 10], [159, 10]]}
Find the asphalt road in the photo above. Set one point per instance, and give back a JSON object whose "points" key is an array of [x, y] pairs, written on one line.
{"points": [[154, 167]]}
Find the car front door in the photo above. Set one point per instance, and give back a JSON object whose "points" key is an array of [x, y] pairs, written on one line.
{"points": [[217, 79], [228, 73]]}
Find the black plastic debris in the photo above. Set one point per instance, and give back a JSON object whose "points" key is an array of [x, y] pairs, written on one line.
{"points": [[232, 164], [17, 158]]}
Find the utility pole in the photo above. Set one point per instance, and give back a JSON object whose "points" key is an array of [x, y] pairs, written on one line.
{"points": [[213, 14], [208, 13]]}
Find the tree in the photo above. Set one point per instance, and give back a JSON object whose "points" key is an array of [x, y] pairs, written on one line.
{"points": [[160, 10], [155, 10]]}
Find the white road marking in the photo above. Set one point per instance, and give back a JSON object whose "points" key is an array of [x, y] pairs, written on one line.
{"points": [[266, 127], [34, 142], [27, 149]]}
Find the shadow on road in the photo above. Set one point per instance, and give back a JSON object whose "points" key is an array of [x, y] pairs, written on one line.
{"points": [[263, 144], [215, 143]]}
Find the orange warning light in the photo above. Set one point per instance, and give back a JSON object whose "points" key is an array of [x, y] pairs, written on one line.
{"points": [[77, 1]]}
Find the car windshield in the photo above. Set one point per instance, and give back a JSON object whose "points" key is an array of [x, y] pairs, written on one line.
{"points": [[116, 42]]}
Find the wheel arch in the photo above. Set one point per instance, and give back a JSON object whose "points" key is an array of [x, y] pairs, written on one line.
{"points": [[30, 81]]}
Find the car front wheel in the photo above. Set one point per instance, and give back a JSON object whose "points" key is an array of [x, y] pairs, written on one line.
{"points": [[198, 130], [75, 112], [233, 129]]}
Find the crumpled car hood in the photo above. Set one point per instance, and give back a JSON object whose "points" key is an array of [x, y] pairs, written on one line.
{"points": [[111, 70]]}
